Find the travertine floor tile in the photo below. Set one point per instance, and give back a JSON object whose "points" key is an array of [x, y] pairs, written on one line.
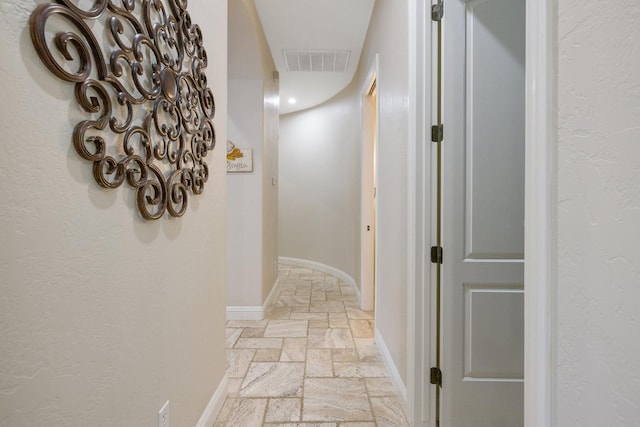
{"points": [[274, 312], [347, 290], [247, 323], [294, 282], [361, 328], [238, 362], [319, 323], [252, 333], [259, 343], [302, 425], [338, 320], [283, 410], [294, 350], [356, 313], [232, 336], [335, 399], [379, 387], [269, 379], [330, 338], [367, 350], [346, 300], [293, 300], [388, 412], [286, 328], [308, 316], [234, 386], [326, 307], [351, 304], [318, 296], [359, 369], [357, 424], [312, 362], [267, 355], [322, 286], [241, 412], [319, 363], [314, 275], [345, 355]]}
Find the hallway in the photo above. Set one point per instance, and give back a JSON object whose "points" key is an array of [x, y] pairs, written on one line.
{"points": [[311, 362]]}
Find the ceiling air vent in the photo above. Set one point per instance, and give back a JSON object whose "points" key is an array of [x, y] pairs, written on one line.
{"points": [[314, 60]]}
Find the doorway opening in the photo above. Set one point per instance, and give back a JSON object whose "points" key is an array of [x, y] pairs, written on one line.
{"points": [[368, 193]]}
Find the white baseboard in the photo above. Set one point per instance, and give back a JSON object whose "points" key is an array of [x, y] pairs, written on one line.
{"points": [[325, 269], [392, 370], [252, 312], [215, 404]]}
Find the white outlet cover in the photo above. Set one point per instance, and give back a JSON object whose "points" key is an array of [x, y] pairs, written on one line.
{"points": [[163, 415]]}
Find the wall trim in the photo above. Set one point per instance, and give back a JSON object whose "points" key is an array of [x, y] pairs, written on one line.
{"points": [[420, 345], [392, 370], [540, 176], [325, 269], [252, 312], [215, 404]]}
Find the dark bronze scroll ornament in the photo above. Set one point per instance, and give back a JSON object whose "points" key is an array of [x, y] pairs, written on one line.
{"points": [[139, 72]]}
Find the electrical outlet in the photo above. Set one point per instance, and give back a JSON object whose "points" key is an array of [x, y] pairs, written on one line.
{"points": [[163, 415]]}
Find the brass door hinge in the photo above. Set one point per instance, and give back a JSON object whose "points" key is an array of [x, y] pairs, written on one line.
{"points": [[437, 133], [436, 377], [436, 254], [437, 11]]}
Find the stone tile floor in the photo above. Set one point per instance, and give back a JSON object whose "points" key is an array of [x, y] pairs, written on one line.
{"points": [[311, 363]]}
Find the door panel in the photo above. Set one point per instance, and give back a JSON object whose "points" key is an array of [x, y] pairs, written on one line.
{"points": [[495, 115], [483, 213], [494, 327]]}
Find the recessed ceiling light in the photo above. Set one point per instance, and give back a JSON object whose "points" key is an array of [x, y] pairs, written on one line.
{"points": [[292, 101]]}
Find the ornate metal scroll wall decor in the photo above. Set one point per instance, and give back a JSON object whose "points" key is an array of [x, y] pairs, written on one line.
{"points": [[139, 72]]}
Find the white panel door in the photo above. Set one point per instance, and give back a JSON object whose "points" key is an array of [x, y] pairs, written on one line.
{"points": [[483, 213]]}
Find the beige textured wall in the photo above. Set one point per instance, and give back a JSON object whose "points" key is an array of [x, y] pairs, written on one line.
{"points": [[388, 37], [103, 316], [598, 214], [253, 123], [320, 183]]}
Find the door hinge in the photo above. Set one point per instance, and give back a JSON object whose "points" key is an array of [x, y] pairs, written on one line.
{"points": [[437, 133], [436, 254], [437, 11], [436, 377]]}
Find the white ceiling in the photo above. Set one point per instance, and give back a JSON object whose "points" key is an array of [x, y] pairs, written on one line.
{"points": [[313, 25]]}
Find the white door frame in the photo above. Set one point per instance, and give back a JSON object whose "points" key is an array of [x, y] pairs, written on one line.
{"points": [[368, 264], [420, 403], [540, 201], [540, 232]]}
